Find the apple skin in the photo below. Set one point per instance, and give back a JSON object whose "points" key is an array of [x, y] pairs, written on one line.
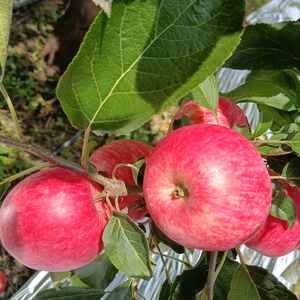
{"points": [[225, 184], [49, 221], [107, 157], [274, 239], [229, 114], [3, 281]]}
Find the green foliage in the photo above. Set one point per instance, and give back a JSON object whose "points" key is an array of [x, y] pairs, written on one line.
{"points": [[267, 47], [5, 19], [127, 247], [150, 68], [137, 63]]}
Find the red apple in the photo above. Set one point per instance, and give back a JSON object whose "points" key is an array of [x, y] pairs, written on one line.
{"points": [[206, 187], [229, 114], [3, 281], [49, 221], [275, 239], [107, 157]]}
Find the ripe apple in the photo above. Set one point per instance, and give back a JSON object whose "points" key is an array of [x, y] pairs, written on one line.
{"points": [[206, 187], [274, 239], [3, 281], [107, 157], [229, 114], [49, 221]]}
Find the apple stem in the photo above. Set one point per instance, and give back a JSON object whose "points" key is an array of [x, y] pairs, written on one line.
{"points": [[162, 259], [211, 275], [113, 187]]}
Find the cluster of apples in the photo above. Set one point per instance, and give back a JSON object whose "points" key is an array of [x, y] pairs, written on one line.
{"points": [[205, 186]]}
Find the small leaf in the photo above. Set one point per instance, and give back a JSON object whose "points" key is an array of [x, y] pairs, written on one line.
{"points": [[264, 123], [183, 121], [6, 7], [267, 46], [138, 170], [243, 130], [283, 207], [97, 275], [207, 95], [292, 171], [122, 292], [105, 5], [58, 278], [165, 291], [70, 293], [3, 188], [189, 283], [292, 272], [164, 239], [127, 246]]}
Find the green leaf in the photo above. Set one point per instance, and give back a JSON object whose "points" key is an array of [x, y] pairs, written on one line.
{"points": [[292, 171], [183, 121], [144, 58], [292, 272], [242, 286], [164, 239], [165, 291], [277, 163], [5, 19], [268, 286], [105, 5], [280, 117], [243, 130], [58, 278], [70, 293], [222, 285], [264, 123], [97, 275], [127, 246], [138, 170], [122, 292], [207, 94], [189, 283], [279, 89], [267, 46], [3, 187], [283, 207]]}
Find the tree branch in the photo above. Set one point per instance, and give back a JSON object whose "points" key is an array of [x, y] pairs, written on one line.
{"points": [[112, 187]]}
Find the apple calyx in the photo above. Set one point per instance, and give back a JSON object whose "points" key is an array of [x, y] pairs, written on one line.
{"points": [[181, 191]]}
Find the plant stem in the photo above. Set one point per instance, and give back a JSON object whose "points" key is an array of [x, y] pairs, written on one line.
{"points": [[163, 261], [237, 249], [84, 149], [220, 265], [269, 142], [13, 113], [113, 187], [211, 275]]}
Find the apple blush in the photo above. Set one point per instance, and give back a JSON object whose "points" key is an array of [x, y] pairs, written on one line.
{"points": [[207, 187], [274, 239], [49, 221]]}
